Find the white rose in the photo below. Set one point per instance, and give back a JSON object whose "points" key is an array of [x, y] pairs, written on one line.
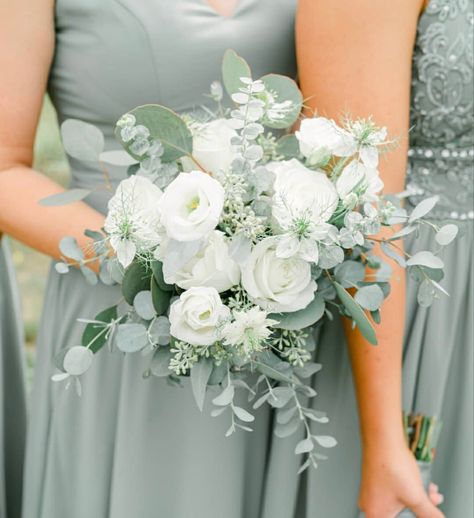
{"points": [[133, 218], [359, 179], [191, 206], [277, 284], [212, 147], [212, 266], [194, 317], [320, 136], [301, 193]]}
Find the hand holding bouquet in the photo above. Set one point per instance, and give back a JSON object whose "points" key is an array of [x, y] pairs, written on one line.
{"points": [[232, 239]]}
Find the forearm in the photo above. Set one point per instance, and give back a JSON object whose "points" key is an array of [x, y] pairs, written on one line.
{"points": [[41, 227], [377, 371]]}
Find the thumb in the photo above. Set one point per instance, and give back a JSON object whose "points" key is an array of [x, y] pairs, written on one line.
{"points": [[426, 509]]}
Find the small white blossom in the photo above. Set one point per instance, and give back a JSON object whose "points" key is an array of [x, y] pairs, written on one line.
{"points": [[133, 219], [249, 329]]}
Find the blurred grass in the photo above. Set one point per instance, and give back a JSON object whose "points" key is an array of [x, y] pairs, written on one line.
{"points": [[31, 266]]}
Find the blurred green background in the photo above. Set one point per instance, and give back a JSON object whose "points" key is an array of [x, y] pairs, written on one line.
{"points": [[31, 266]]}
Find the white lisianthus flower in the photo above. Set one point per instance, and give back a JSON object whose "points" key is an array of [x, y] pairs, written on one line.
{"points": [[319, 136], [191, 206], [212, 146], [301, 193], [212, 266], [359, 180], [133, 218], [277, 284], [196, 316], [249, 329]]}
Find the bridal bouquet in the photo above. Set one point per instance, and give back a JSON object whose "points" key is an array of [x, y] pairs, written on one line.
{"points": [[231, 239]]}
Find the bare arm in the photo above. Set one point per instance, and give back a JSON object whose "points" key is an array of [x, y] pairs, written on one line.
{"points": [[26, 49], [355, 56]]}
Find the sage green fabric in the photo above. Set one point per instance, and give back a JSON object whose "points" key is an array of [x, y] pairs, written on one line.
{"points": [[438, 352], [131, 447], [12, 390]]}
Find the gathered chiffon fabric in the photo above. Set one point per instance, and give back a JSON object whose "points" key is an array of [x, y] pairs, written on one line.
{"points": [[12, 390]]}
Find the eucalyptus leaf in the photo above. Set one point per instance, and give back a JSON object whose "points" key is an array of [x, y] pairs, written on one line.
{"points": [[69, 248], [81, 140], [95, 334], [225, 397], [131, 338], [369, 297], [161, 298], [308, 369], [357, 314], [243, 415], [446, 234], [405, 231], [349, 273], [159, 331], [233, 68], [282, 89], [283, 430], [200, 374], [423, 208], [61, 267], [306, 317], [390, 252], [304, 446], [64, 198], [261, 400], [165, 126], [315, 415], [143, 305], [284, 415], [118, 158], [273, 373], [425, 258], [157, 269], [136, 279], [325, 441]]}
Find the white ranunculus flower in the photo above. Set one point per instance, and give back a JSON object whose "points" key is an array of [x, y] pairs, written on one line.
{"points": [[320, 136], [212, 266], [359, 179], [196, 315], [191, 206], [301, 193], [277, 284], [133, 218], [212, 146]]}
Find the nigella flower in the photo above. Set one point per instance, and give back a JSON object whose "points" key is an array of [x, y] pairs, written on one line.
{"points": [[302, 239], [133, 219], [368, 138], [249, 329]]}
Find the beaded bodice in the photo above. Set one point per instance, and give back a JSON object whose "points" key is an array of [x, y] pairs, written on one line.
{"points": [[441, 158]]}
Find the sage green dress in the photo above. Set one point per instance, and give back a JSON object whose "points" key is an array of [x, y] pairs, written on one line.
{"points": [[438, 354], [12, 390], [131, 447]]}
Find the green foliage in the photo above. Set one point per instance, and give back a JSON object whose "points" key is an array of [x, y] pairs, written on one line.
{"points": [[357, 314], [233, 68], [165, 126], [305, 317], [284, 89], [137, 278], [95, 334]]}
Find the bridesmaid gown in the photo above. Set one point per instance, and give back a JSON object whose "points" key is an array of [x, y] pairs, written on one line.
{"points": [[131, 447], [12, 391], [438, 352]]}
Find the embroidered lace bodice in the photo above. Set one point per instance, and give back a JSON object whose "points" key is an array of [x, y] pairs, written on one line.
{"points": [[442, 119]]}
